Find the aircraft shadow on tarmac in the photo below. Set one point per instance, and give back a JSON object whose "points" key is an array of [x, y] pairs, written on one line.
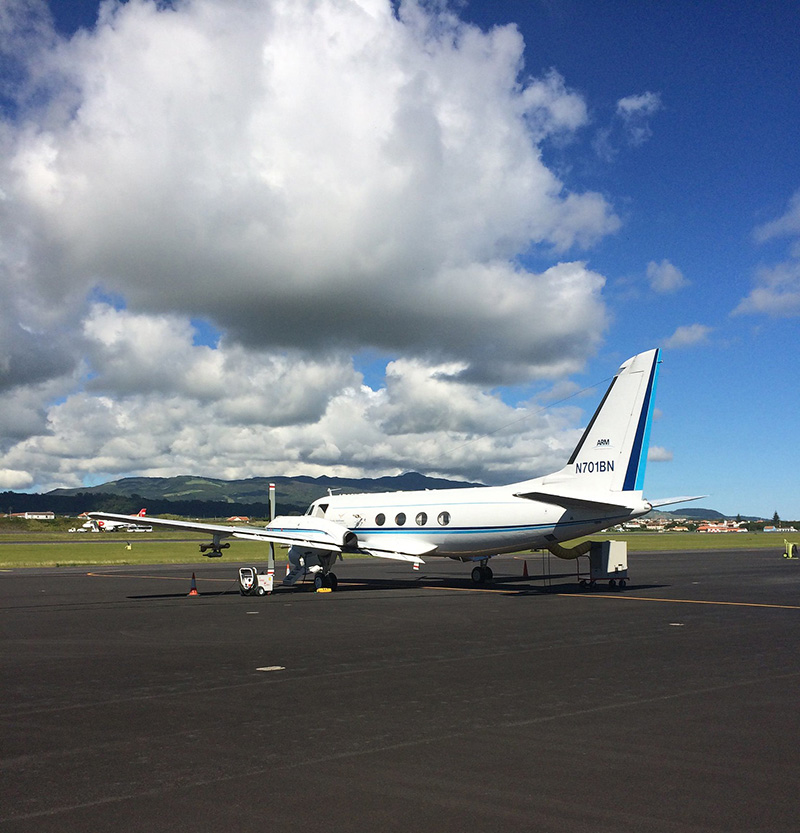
{"points": [[517, 585]]}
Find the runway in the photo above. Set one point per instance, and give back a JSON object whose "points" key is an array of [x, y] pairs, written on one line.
{"points": [[404, 701]]}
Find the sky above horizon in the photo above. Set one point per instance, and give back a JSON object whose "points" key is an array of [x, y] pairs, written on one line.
{"points": [[352, 237]]}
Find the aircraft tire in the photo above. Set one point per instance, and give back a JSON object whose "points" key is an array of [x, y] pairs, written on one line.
{"points": [[489, 573], [478, 575], [319, 581], [332, 581]]}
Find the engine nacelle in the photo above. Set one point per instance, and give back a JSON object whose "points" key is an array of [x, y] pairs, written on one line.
{"points": [[215, 547], [319, 529]]}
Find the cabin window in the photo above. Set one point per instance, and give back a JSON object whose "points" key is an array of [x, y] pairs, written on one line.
{"points": [[380, 519], [400, 518], [444, 518], [421, 519]]}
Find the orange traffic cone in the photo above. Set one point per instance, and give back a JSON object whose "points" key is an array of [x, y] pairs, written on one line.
{"points": [[287, 568], [524, 569], [193, 591]]}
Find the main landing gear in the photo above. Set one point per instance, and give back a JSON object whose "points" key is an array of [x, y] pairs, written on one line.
{"points": [[328, 580], [482, 573]]}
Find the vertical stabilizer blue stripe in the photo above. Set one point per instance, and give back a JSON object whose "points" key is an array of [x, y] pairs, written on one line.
{"points": [[634, 477]]}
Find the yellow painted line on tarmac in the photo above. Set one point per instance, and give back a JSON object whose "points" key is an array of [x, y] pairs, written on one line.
{"points": [[626, 597]]}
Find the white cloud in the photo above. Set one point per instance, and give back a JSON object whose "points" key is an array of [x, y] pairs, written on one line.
{"points": [[664, 277], [787, 225], [635, 112], [688, 335], [629, 126], [344, 164], [645, 104], [12, 480], [282, 416], [314, 179], [657, 454], [777, 292], [777, 288]]}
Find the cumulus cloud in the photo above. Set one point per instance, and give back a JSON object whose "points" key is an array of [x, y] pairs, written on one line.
{"points": [[347, 162], [776, 292], [314, 179], [279, 414], [688, 335], [664, 277]]}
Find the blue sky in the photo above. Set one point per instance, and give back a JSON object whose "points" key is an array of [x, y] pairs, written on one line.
{"points": [[670, 130]]}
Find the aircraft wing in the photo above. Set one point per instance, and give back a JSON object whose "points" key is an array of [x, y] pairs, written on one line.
{"points": [[289, 530], [571, 501], [304, 531], [399, 548]]}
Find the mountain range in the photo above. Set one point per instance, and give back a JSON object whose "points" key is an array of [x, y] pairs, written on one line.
{"points": [[211, 497]]}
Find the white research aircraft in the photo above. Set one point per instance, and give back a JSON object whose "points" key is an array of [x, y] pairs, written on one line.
{"points": [[599, 487]]}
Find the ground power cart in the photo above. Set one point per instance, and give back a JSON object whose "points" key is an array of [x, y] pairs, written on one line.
{"points": [[253, 583], [608, 561]]}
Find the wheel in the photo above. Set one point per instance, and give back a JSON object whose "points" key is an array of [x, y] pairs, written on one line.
{"points": [[319, 581], [622, 584], [613, 583], [489, 573], [584, 582], [260, 591], [478, 576], [332, 581]]}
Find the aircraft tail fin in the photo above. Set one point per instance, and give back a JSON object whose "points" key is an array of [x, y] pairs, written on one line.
{"points": [[612, 453]]}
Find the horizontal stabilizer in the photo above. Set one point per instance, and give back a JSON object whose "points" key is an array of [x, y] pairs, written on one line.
{"points": [[570, 501], [667, 501]]}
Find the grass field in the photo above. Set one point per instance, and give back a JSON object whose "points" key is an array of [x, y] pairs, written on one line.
{"points": [[54, 549]]}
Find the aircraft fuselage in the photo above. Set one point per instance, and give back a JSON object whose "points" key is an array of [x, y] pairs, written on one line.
{"points": [[468, 523]]}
